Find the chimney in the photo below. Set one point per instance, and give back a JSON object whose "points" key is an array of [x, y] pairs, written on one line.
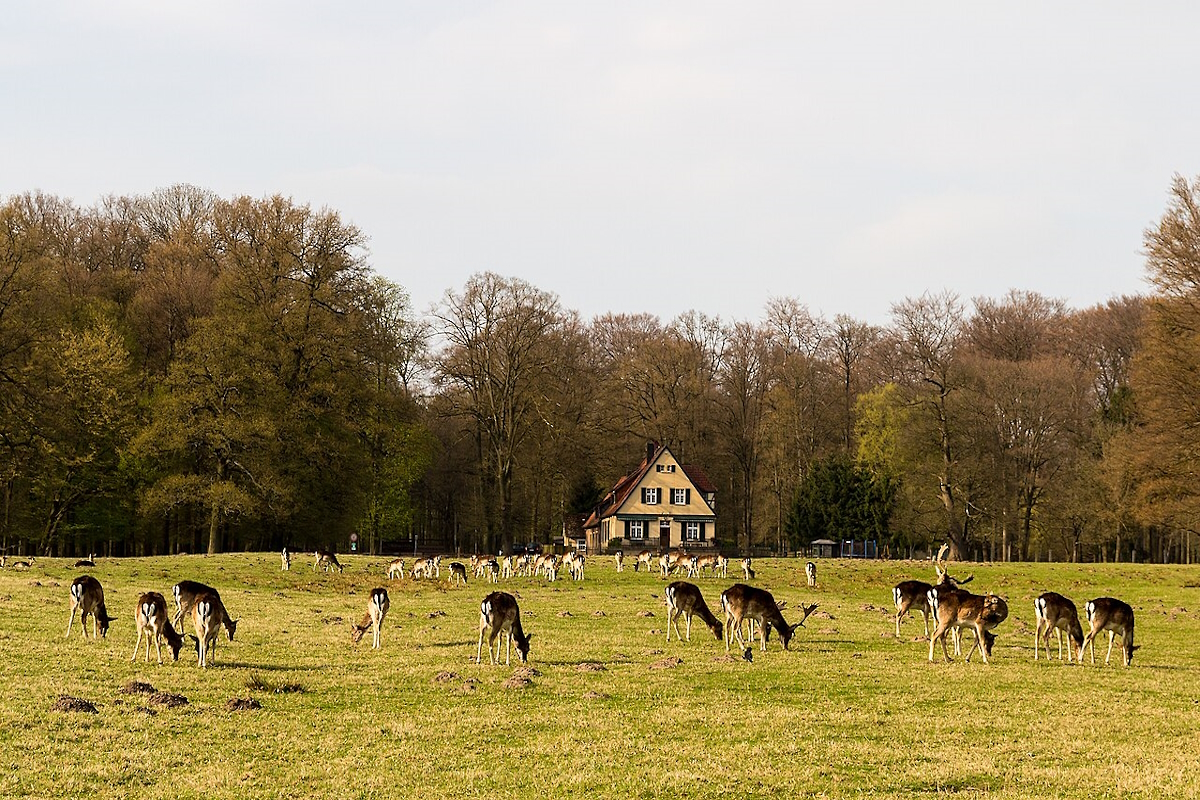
{"points": [[651, 447]]}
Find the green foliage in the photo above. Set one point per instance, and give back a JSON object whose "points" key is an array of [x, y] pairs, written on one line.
{"points": [[841, 500]]}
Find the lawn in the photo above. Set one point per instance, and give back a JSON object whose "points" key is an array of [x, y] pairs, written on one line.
{"points": [[604, 708]]}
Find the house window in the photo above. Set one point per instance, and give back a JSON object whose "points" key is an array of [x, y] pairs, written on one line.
{"points": [[679, 497], [691, 531], [650, 496], [637, 529], [664, 468]]}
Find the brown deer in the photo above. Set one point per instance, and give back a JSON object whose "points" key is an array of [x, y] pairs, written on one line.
{"points": [[395, 569], [914, 595], [810, 573], [1116, 617], [87, 597], [326, 561], [742, 602], [499, 615], [685, 598], [644, 558], [153, 621], [209, 616], [185, 593], [958, 608], [285, 560], [619, 560], [747, 569], [1056, 613], [458, 573], [90, 561], [377, 608]]}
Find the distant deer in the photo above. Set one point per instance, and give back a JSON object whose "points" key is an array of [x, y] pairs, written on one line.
{"points": [[644, 558], [619, 560], [722, 566], [958, 608], [87, 597], [499, 615], [741, 602], [23, 564], [209, 616], [1116, 617], [810, 572], [747, 570], [423, 568], [326, 561], [458, 573], [913, 595], [1056, 613], [154, 623], [377, 608], [285, 559], [90, 561], [396, 569], [685, 598]]}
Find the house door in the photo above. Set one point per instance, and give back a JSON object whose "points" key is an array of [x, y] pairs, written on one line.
{"points": [[664, 534]]}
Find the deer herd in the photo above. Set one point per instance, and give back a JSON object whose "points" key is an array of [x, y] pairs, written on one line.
{"points": [[953, 608]]}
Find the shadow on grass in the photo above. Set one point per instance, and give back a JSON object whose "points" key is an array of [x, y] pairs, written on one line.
{"points": [[268, 667]]}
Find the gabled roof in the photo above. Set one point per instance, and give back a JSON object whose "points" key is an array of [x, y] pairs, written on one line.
{"points": [[620, 492]]}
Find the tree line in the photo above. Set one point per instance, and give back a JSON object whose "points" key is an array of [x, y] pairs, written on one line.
{"points": [[182, 372]]}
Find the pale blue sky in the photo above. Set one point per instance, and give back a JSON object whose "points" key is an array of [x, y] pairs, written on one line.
{"points": [[638, 156]]}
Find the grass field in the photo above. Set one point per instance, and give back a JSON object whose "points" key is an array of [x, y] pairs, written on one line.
{"points": [[849, 711]]}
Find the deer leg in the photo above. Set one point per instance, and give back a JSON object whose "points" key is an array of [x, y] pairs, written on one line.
{"points": [[479, 649], [137, 646], [157, 648], [1111, 636], [71, 620], [689, 628]]}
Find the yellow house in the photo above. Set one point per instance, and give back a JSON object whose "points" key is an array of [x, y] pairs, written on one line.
{"points": [[660, 505]]}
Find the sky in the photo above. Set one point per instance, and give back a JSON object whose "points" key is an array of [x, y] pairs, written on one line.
{"points": [[640, 156]]}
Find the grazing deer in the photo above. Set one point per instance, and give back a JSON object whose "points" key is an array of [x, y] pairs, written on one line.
{"points": [[508, 567], [810, 572], [23, 564], [742, 602], [395, 569], [910, 595], [619, 560], [153, 622], [499, 615], [87, 597], [1116, 617], [722, 567], [458, 573], [377, 608], [1057, 613], [685, 598], [422, 568], [90, 561], [644, 558], [574, 561], [185, 593], [491, 568], [958, 608], [326, 561], [209, 616], [285, 561], [747, 570], [551, 567]]}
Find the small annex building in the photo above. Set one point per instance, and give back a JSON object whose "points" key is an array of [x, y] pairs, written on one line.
{"points": [[662, 504]]}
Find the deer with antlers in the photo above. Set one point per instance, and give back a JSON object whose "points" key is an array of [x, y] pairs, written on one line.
{"points": [[1116, 617], [1056, 613], [499, 616], [377, 609], [742, 602], [684, 598], [914, 595]]}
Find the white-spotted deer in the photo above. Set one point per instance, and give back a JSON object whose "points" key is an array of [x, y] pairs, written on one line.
{"points": [[458, 573], [810, 573], [491, 569], [209, 616], [377, 609], [914, 595], [747, 569], [422, 568], [742, 602], [1116, 617], [1056, 613], [685, 598], [395, 569], [707, 562], [722, 567], [326, 561], [153, 621], [644, 558], [958, 608], [87, 597], [500, 616]]}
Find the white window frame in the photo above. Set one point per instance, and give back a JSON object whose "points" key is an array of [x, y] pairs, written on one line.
{"points": [[679, 497], [651, 495], [637, 529], [691, 531]]}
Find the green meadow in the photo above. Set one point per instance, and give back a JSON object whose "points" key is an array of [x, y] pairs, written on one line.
{"points": [[606, 707]]}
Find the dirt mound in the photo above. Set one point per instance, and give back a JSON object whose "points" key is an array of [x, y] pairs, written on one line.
{"points": [[670, 662], [242, 704], [445, 676], [725, 659], [526, 672], [67, 703], [517, 682], [828, 631], [645, 613], [594, 696], [565, 614], [822, 615], [137, 687], [435, 614], [591, 666], [599, 613], [167, 700]]}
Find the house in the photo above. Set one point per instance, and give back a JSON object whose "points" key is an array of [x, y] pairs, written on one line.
{"points": [[660, 505]]}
